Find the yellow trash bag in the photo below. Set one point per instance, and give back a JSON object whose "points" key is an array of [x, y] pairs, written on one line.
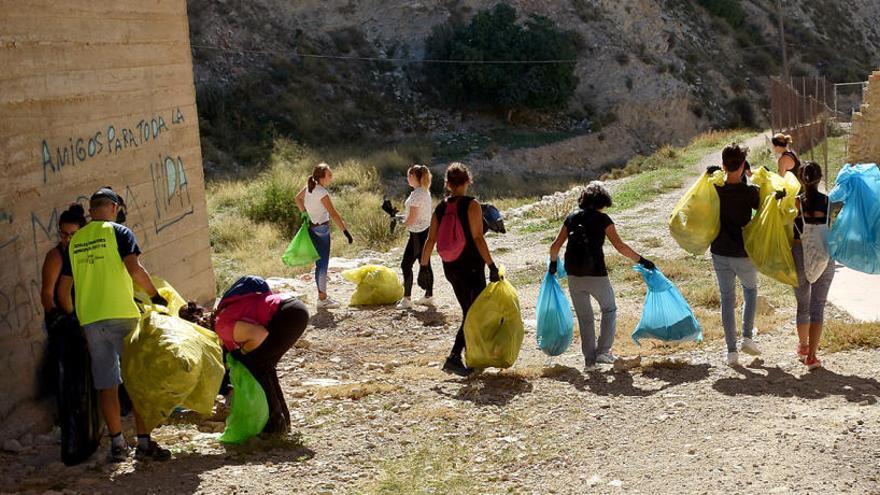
{"points": [[493, 329], [376, 284], [696, 219], [769, 235], [168, 362], [175, 301]]}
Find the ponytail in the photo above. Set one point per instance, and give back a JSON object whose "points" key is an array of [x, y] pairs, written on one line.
{"points": [[782, 140], [319, 172], [811, 175], [422, 174]]}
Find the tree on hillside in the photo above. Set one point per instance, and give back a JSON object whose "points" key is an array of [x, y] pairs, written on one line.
{"points": [[495, 35]]}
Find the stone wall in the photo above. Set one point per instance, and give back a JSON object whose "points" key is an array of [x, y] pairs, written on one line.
{"points": [[864, 144], [92, 94]]}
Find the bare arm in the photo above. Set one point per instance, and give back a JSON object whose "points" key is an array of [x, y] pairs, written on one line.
{"points": [[300, 199], [557, 244], [621, 247], [51, 272], [785, 164], [65, 284], [332, 211], [248, 335], [139, 274], [429, 244], [475, 219]]}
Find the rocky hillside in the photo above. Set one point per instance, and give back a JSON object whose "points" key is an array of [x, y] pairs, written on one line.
{"points": [[650, 72]]}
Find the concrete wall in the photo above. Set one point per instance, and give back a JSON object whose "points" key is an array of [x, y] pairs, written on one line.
{"points": [[92, 93], [864, 145]]}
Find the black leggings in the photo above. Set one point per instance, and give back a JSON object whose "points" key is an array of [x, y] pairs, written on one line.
{"points": [[468, 279], [412, 254], [285, 328]]}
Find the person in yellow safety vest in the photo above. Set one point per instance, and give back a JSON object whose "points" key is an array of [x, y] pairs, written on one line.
{"points": [[103, 261]]}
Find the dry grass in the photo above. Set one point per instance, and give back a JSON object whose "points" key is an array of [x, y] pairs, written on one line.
{"points": [[844, 336], [354, 391]]}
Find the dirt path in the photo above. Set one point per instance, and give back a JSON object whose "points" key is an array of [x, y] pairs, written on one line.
{"points": [[373, 413]]}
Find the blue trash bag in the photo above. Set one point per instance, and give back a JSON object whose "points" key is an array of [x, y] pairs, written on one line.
{"points": [[555, 320], [855, 236], [666, 315]]}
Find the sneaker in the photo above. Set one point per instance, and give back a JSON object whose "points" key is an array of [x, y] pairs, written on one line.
{"points": [[732, 359], [455, 366], [750, 347], [605, 358], [328, 303], [404, 303], [119, 454], [813, 364], [427, 301], [152, 453], [590, 367], [802, 352]]}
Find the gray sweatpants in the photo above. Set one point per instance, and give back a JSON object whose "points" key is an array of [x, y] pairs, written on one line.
{"points": [[811, 298], [581, 289]]}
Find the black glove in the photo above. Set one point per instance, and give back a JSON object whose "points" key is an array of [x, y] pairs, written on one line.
{"points": [[426, 277], [159, 300], [711, 169], [388, 208], [648, 264], [54, 317], [552, 268], [493, 273], [348, 236], [780, 194]]}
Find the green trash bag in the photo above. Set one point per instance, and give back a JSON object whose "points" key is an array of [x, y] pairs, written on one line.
{"points": [[301, 250], [168, 362], [376, 284], [493, 329], [250, 409]]}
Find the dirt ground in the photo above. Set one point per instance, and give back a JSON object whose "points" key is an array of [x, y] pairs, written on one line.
{"points": [[373, 413]]}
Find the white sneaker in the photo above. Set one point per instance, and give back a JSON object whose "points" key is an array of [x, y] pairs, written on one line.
{"points": [[605, 358], [733, 359], [750, 347], [328, 303], [404, 303], [427, 301]]}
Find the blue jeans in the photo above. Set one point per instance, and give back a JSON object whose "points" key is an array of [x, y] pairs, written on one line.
{"points": [[727, 270], [321, 239]]}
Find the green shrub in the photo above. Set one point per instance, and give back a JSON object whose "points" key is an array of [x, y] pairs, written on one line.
{"points": [[729, 10], [495, 35]]}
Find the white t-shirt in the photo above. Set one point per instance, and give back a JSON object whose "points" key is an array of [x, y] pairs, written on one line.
{"points": [[316, 210], [421, 199]]}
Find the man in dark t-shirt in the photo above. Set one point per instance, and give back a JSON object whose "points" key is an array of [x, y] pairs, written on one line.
{"points": [[729, 257]]}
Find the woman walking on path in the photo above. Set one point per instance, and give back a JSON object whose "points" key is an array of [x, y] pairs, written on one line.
{"points": [[786, 159], [314, 199], [457, 231], [586, 230], [811, 296], [417, 219]]}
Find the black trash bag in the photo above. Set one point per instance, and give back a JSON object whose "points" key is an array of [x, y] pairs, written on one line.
{"points": [[492, 219], [392, 212], [78, 412]]}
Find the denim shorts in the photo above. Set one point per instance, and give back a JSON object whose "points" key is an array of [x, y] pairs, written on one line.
{"points": [[106, 339]]}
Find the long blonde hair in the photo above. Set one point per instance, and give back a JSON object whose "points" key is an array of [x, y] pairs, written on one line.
{"points": [[422, 174], [320, 171]]}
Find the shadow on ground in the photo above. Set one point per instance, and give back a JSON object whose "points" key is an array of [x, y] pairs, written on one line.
{"points": [[489, 389], [622, 382], [817, 384], [182, 474]]}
